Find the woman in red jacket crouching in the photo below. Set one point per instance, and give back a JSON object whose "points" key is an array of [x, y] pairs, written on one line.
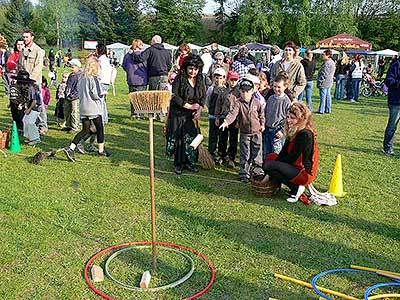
{"points": [[296, 165]]}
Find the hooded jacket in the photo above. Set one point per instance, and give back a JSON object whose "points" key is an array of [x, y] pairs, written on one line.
{"points": [[250, 115], [393, 83], [157, 59]]}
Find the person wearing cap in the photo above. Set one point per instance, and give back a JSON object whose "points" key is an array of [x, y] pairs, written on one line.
{"points": [[253, 77], [71, 104], [219, 63], [393, 83], [293, 68], [251, 120], [242, 63], [28, 100], [31, 58], [213, 92], [222, 107]]}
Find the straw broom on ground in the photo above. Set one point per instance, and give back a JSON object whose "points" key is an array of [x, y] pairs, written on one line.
{"points": [[41, 155], [206, 160]]}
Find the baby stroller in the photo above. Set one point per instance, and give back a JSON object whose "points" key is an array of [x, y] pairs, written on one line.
{"points": [[372, 87]]}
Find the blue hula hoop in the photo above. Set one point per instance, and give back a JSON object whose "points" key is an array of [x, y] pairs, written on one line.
{"points": [[376, 286], [314, 280]]}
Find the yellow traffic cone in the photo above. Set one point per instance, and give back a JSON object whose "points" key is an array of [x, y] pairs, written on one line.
{"points": [[336, 185]]}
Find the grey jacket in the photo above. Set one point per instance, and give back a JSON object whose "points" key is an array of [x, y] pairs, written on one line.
{"points": [[325, 74], [89, 92], [296, 74]]}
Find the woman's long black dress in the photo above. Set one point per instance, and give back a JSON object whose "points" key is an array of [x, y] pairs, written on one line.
{"points": [[181, 129]]}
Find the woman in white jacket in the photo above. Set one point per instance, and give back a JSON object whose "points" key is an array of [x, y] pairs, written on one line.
{"points": [[357, 69]]}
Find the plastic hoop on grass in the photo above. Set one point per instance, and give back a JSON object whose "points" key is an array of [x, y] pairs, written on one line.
{"points": [[108, 297], [314, 280], [134, 288], [376, 286]]}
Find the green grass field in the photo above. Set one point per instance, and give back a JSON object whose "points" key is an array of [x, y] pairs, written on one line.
{"points": [[55, 216]]}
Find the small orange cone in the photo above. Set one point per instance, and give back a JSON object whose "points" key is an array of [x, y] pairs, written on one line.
{"points": [[336, 185]]}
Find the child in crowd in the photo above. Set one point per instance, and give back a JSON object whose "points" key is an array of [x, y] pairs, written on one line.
{"points": [[251, 122], [60, 98], [264, 85], [213, 92], [222, 108], [275, 115], [45, 93], [171, 78], [71, 103], [53, 76], [28, 96]]}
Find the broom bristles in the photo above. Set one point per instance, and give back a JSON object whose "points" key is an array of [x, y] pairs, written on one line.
{"points": [[41, 155], [206, 160]]}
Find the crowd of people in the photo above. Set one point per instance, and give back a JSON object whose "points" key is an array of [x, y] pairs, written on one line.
{"points": [[258, 105]]}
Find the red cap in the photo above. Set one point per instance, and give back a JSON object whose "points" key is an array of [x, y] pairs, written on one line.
{"points": [[232, 74]]}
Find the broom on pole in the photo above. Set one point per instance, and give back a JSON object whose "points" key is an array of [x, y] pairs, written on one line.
{"points": [[152, 193]]}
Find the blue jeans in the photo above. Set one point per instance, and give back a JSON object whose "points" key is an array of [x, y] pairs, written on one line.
{"points": [[271, 143], [325, 100], [308, 92], [355, 85], [341, 81], [394, 117]]}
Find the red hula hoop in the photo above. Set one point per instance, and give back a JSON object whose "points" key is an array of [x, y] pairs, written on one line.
{"points": [[104, 295]]}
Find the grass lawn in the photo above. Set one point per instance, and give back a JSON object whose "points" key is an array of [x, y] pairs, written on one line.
{"points": [[55, 216]]}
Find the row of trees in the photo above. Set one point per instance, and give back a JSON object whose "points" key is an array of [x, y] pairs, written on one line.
{"points": [[65, 22]]}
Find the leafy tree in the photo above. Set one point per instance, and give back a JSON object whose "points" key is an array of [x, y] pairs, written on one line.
{"points": [[18, 16], [109, 20], [259, 20], [177, 21]]}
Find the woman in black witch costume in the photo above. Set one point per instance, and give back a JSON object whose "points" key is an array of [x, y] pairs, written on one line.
{"points": [[189, 94]]}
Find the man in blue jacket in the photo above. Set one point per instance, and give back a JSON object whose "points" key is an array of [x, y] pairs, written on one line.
{"points": [[393, 83]]}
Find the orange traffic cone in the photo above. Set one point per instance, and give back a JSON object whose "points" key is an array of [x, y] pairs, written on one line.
{"points": [[336, 185]]}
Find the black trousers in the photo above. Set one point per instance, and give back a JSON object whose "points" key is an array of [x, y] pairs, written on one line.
{"points": [[213, 133], [282, 172], [231, 133], [17, 115], [98, 123]]}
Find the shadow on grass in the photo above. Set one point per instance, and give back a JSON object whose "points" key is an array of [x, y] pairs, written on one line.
{"points": [[325, 216], [299, 249]]}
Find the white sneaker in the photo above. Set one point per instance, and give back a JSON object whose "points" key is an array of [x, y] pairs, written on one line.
{"points": [[295, 198]]}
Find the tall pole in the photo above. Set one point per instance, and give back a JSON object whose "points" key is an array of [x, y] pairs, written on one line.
{"points": [[152, 193]]}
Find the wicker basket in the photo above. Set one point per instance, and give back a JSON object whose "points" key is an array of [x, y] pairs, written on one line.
{"points": [[4, 138], [150, 101], [266, 190]]}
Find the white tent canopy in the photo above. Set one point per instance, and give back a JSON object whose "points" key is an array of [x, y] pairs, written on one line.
{"points": [[320, 51], [195, 47], [386, 52], [220, 47], [169, 46], [119, 49]]}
